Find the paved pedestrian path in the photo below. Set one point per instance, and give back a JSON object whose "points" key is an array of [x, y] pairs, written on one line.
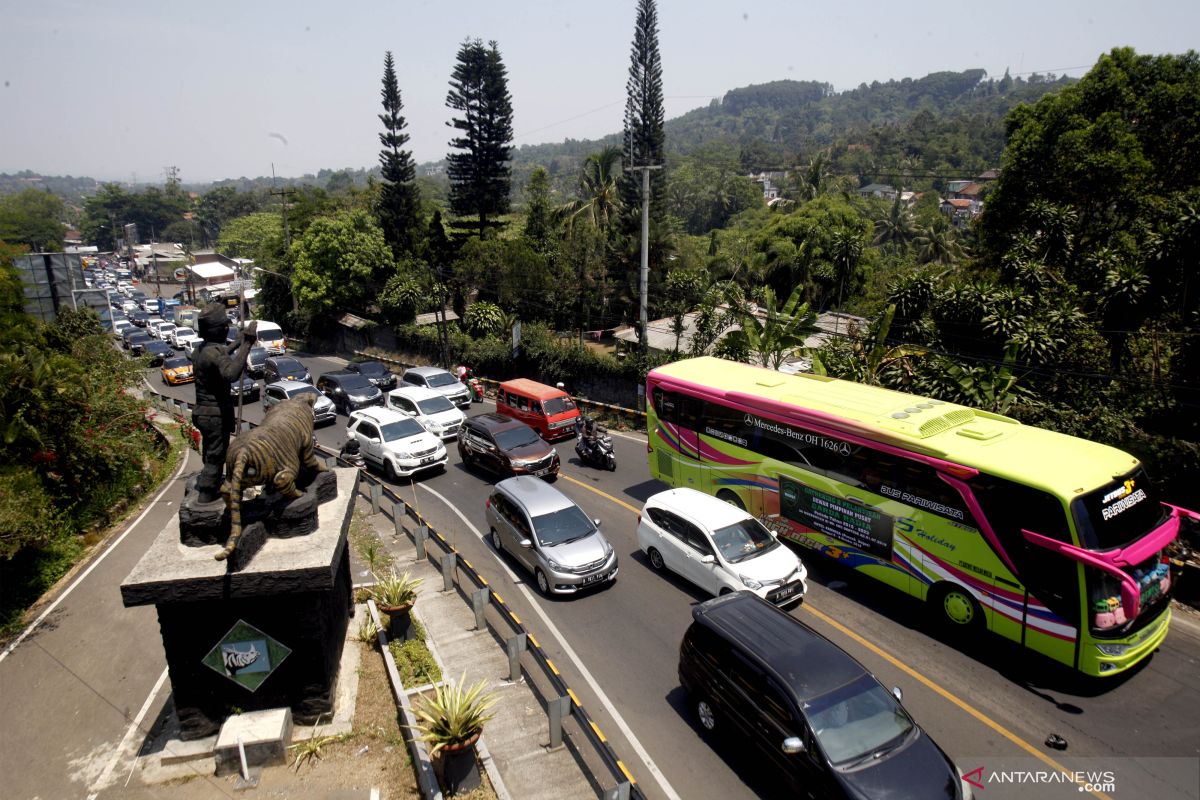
{"points": [[516, 742]]}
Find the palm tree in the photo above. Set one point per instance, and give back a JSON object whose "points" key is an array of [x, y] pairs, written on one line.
{"points": [[938, 244], [599, 199], [895, 228], [845, 250], [813, 180]]}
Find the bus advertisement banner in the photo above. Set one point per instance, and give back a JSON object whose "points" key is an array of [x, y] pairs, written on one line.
{"points": [[856, 525]]}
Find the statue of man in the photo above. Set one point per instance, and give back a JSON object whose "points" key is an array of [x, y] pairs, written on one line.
{"points": [[216, 366]]}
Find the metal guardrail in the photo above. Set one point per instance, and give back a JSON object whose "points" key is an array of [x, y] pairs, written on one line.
{"points": [[453, 562]]}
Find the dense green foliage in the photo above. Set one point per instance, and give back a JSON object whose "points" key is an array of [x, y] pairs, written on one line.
{"points": [[75, 443], [399, 198], [34, 218], [480, 176]]}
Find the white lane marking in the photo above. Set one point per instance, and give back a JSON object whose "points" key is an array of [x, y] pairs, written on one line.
{"points": [[13, 645], [133, 727], [587, 676]]}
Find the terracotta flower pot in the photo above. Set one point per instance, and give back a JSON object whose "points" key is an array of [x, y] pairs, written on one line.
{"points": [[460, 767]]}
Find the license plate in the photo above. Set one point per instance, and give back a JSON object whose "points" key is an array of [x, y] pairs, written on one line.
{"points": [[786, 591], [539, 473], [595, 578], [428, 459]]}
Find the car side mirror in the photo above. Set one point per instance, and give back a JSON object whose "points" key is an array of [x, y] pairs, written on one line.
{"points": [[708, 558], [896, 693], [526, 543], [793, 745], [596, 522]]}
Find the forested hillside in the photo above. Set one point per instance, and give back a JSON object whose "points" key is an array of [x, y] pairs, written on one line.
{"points": [[919, 132]]}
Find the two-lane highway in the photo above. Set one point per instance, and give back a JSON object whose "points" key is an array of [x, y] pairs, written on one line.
{"points": [[986, 703]]}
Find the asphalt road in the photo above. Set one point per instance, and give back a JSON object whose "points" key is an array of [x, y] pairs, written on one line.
{"points": [[988, 703], [67, 692]]}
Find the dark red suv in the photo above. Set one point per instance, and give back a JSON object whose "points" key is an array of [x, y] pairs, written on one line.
{"points": [[506, 446]]}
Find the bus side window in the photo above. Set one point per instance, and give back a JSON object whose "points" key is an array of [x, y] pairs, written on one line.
{"points": [[665, 405]]}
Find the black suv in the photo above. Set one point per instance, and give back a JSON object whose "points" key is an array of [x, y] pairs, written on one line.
{"points": [[349, 391], [506, 446], [376, 372], [820, 723], [284, 368]]}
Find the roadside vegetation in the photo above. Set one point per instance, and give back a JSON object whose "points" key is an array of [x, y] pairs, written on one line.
{"points": [[76, 449], [1070, 302]]}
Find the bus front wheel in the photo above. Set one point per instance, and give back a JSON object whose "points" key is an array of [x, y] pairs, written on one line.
{"points": [[731, 498], [955, 608]]}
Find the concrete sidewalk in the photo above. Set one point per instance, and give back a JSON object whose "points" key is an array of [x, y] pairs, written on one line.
{"points": [[516, 742]]}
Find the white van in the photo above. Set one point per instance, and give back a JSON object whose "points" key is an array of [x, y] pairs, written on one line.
{"points": [[270, 338]]}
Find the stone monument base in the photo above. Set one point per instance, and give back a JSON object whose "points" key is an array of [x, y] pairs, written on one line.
{"points": [[262, 635]]}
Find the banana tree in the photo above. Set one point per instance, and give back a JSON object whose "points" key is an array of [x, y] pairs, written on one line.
{"points": [[779, 333]]}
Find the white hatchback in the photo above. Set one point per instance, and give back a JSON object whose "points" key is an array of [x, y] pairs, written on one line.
{"points": [[432, 409], [719, 547]]}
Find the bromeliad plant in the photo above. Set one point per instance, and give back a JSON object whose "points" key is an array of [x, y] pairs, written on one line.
{"points": [[454, 716], [395, 591]]}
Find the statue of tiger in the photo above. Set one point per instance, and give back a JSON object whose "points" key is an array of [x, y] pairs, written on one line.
{"points": [[272, 453]]}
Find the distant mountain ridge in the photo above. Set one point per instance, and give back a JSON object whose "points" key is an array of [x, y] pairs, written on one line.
{"points": [[771, 124]]}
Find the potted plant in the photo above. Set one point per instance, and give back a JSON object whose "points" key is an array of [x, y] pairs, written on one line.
{"points": [[452, 720], [394, 595]]}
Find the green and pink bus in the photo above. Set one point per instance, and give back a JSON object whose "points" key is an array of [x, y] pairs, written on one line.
{"points": [[1051, 541]]}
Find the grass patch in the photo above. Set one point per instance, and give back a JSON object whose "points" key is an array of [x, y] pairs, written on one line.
{"points": [[369, 548], [414, 662]]}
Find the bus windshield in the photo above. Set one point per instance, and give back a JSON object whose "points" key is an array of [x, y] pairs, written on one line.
{"points": [[1118, 513]]}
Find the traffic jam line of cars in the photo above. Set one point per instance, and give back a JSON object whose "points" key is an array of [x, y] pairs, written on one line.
{"points": [[822, 723]]}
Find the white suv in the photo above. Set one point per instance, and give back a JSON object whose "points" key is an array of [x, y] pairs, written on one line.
{"points": [[395, 442], [718, 546], [432, 409]]}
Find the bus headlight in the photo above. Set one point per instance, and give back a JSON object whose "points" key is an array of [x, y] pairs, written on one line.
{"points": [[750, 583], [1112, 649]]}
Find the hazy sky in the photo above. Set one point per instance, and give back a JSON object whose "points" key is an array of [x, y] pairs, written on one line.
{"points": [[118, 89]]}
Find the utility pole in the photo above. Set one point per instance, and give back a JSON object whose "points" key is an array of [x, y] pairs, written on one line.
{"points": [[644, 272], [154, 260], [283, 193]]}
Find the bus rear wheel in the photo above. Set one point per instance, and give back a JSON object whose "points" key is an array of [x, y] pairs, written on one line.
{"points": [[731, 497], [955, 608]]}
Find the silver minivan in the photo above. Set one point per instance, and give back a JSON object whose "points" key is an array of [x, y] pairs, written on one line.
{"points": [[550, 535]]}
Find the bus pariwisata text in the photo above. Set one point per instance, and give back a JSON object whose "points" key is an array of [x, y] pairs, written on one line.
{"points": [[1052, 541]]}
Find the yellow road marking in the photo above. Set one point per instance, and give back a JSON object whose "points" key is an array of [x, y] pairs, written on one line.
{"points": [[499, 599], [553, 668], [599, 734], [516, 619], [573, 697], [979, 715], [603, 494], [535, 641], [627, 775]]}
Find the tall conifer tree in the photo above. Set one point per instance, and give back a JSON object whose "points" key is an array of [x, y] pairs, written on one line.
{"points": [[645, 137], [400, 197], [480, 175]]}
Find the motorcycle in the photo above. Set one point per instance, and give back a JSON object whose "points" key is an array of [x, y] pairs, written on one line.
{"points": [[351, 455], [593, 445]]}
